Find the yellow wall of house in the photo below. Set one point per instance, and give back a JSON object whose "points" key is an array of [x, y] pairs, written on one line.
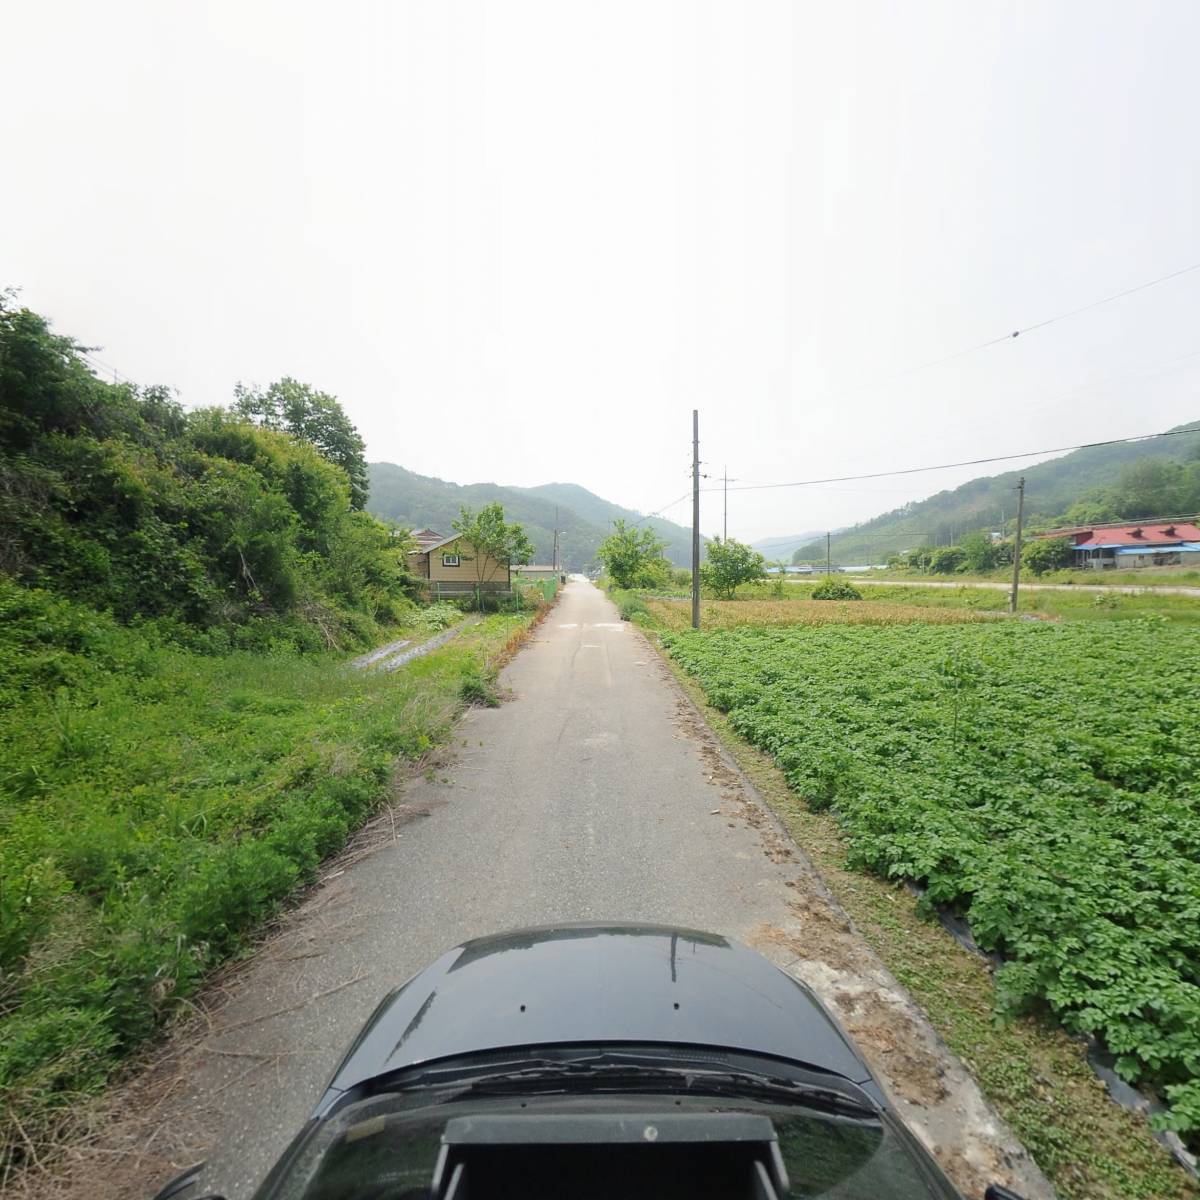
{"points": [[468, 569]]}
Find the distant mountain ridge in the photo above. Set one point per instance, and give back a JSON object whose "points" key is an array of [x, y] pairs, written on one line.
{"points": [[989, 502], [584, 519], [783, 547]]}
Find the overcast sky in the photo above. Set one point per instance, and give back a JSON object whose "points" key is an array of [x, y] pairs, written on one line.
{"points": [[522, 241]]}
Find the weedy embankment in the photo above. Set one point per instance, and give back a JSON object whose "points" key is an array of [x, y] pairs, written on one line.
{"points": [[157, 805]]}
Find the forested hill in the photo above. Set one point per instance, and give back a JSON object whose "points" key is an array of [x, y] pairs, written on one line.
{"points": [[584, 519], [232, 526], [1100, 483]]}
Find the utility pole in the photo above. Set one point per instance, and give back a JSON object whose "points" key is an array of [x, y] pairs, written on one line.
{"points": [[726, 481], [1012, 603], [554, 560], [828, 558], [695, 518]]}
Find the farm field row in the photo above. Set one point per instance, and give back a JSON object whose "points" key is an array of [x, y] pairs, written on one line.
{"points": [[1041, 779], [1063, 605], [727, 614]]}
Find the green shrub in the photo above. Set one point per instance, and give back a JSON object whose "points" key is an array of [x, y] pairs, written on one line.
{"points": [[835, 589], [477, 688], [631, 605], [438, 616]]}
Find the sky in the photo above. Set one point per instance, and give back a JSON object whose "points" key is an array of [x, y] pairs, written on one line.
{"points": [[521, 241]]}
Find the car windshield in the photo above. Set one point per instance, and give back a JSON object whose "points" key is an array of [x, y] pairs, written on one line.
{"points": [[830, 1143]]}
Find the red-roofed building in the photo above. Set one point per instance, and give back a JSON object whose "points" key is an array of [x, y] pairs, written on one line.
{"points": [[1169, 542]]}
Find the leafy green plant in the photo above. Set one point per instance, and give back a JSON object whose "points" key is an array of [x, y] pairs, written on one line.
{"points": [[478, 688], [630, 605], [728, 565], [156, 803], [633, 557], [835, 589], [438, 617], [1041, 780]]}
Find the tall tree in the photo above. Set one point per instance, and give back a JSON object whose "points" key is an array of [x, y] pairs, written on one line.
{"points": [[312, 416], [490, 535], [633, 557], [730, 564]]}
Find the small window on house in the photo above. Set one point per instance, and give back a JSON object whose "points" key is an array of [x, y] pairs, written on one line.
{"points": [[449, 560]]}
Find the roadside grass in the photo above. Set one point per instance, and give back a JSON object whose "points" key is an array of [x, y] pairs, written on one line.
{"points": [[1036, 1075], [156, 805], [726, 614]]}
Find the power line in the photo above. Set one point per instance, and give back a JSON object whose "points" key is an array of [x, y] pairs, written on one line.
{"points": [[1016, 333], [658, 512], [100, 365], [973, 462]]}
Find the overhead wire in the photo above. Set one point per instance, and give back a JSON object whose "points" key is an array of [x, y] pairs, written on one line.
{"points": [[973, 462], [1016, 333], [658, 512]]}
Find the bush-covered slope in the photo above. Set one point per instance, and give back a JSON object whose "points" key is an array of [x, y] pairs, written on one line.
{"points": [[1089, 476], [114, 496]]}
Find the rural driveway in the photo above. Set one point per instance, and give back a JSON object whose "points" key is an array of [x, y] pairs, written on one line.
{"points": [[595, 792]]}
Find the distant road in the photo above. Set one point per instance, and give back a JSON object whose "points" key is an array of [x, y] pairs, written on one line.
{"points": [[1032, 587]]}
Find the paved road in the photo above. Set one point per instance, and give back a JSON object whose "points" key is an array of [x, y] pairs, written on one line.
{"points": [[582, 799], [1126, 589], [594, 793]]}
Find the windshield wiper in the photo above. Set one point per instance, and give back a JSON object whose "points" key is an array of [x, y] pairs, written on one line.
{"points": [[592, 1075]]}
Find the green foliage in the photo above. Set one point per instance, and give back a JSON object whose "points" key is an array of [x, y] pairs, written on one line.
{"points": [[309, 416], [1043, 781], [155, 804], [478, 688], [1120, 482], [1046, 554], [438, 616], [582, 518], [633, 557], [630, 606], [112, 495], [832, 588], [728, 565], [489, 534], [979, 552], [947, 560]]}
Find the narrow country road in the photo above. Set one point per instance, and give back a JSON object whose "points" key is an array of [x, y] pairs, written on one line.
{"points": [[595, 792]]}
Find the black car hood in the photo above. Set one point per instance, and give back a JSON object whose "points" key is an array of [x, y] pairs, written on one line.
{"points": [[578, 984]]}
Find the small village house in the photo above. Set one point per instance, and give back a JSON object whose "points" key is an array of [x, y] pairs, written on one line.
{"points": [[453, 568], [1162, 543]]}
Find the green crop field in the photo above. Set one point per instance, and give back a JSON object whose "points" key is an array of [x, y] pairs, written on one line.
{"points": [[1041, 779]]}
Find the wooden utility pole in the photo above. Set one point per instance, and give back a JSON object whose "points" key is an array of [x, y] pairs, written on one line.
{"points": [[695, 518], [1012, 601], [828, 557]]}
